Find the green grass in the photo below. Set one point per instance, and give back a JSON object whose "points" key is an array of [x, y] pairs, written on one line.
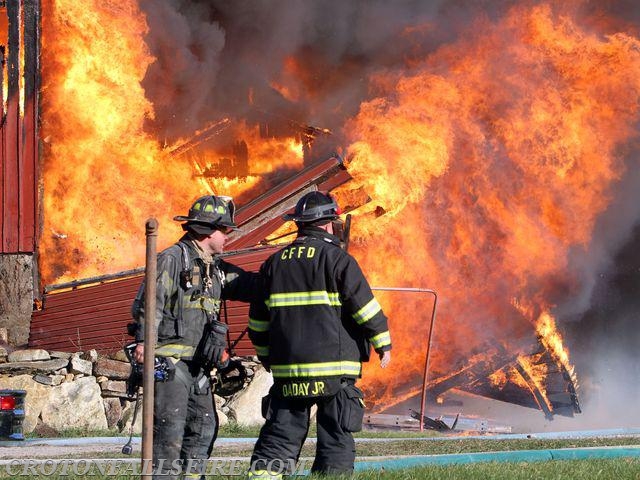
{"points": [[231, 430], [431, 447], [74, 433], [557, 470]]}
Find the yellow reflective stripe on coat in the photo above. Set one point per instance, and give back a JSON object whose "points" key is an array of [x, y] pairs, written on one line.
{"points": [[263, 475], [367, 312], [292, 299], [166, 281], [322, 369], [208, 304], [175, 350], [258, 325], [381, 340], [262, 351]]}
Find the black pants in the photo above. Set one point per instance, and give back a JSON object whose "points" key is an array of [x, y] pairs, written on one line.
{"points": [[287, 424], [184, 422]]}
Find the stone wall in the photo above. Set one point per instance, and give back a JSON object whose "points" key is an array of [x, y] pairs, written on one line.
{"points": [[16, 296], [87, 391]]}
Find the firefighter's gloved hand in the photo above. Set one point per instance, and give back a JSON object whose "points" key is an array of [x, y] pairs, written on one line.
{"points": [[215, 351], [211, 349]]}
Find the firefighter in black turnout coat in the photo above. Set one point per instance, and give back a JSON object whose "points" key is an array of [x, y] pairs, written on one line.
{"points": [[191, 283], [313, 328]]}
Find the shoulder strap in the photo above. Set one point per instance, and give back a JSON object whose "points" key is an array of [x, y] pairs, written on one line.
{"points": [[186, 270]]}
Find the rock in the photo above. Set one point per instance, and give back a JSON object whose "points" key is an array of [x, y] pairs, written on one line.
{"points": [[91, 356], [51, 380], [3, 352], [46, 366], [120, 356], [75, 404], [246, 407], [37, 397], [44, 431], [127, 417], [66, 355], [219, 401], [222, 419], [78, 365], [62, 371], [112, 368], [114, 388], [28, 355], [113, 411]]}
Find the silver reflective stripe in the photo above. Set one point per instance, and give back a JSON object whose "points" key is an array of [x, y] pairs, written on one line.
{"points": [[258, 325], [321, 369], [262, 351], [381, 340], [367, 312], [318, 297]]}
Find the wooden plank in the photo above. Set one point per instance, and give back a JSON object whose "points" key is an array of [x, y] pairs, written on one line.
{"points": [[10, 202], [316, 172], [3, 149], [255, 236], [29, 158], [69, 299]]}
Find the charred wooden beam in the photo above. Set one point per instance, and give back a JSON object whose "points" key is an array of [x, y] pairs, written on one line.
{"points": [[200, 137], [476, 371], [539, 396], [556, 394]]}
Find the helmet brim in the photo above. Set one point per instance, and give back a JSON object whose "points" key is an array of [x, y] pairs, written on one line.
{"points": [[183, 218], [293, 217], [205, 228]]}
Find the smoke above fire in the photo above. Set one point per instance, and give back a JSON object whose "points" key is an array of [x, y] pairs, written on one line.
{"points": [[496, 142]]}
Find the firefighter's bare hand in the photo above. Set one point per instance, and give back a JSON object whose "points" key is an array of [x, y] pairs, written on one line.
{"points": [[138, 353], [385, 358]]}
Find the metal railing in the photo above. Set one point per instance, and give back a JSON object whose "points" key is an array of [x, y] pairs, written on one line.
{"points": [[423, 399]]}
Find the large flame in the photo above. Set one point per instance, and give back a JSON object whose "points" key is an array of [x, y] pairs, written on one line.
{"points": [[492, 159], [487, 164], [104, 175]]}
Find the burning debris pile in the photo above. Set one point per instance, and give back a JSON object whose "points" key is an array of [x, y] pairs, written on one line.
{"points": [[494, 142]]}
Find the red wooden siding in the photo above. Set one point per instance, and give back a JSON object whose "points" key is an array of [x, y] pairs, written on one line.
{"points": [[261, 216], [96, 316], [18, 154]]}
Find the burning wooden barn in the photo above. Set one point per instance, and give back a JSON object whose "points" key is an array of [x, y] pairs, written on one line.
{"points": [[484, 152]]}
